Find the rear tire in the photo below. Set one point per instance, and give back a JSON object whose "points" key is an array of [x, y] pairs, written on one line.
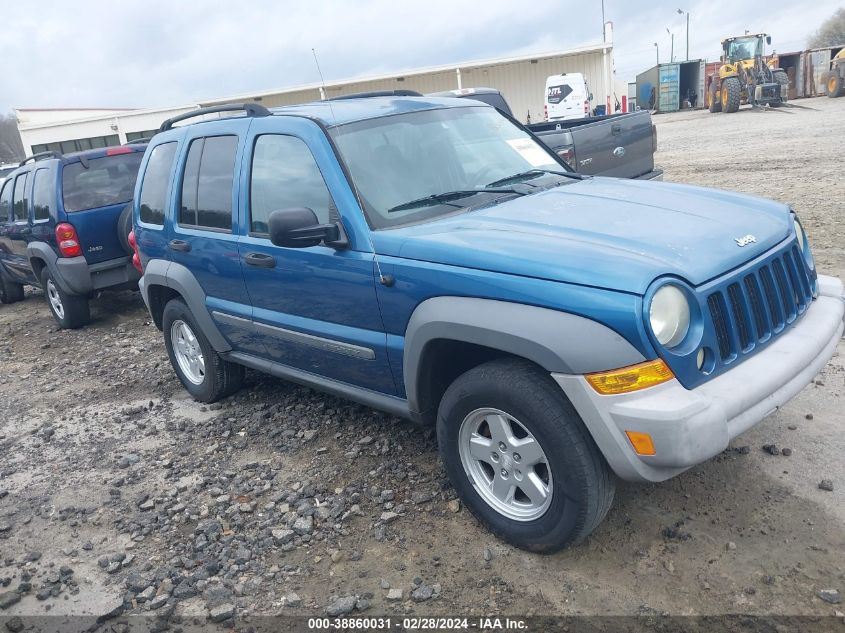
{"points": [[202, 371], [124, 226], [567, 491], [70, 311], [715, 105], [10, 291], [731, 94]]}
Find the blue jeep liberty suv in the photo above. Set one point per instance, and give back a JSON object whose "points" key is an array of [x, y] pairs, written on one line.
{"points": [[430, 258], [64, 226]]}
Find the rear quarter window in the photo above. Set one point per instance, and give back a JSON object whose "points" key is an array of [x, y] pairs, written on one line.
{"points": [[6, 201], [105, 181], [155, 184]]}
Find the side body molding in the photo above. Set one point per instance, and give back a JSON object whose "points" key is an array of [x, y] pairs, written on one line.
{"points": [[161, 272], [557, 341]]}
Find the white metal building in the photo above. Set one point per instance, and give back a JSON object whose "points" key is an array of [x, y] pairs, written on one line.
{"points": [[521, 79]]}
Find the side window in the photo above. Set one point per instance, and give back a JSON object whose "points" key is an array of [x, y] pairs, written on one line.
{"points": [[21, 200], [154, 187], [42, 195], [207, 183], [285, 175], [6, 201]]}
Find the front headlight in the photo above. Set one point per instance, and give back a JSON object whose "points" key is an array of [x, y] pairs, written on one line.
{"points": [[803, 244], [669, 315]]}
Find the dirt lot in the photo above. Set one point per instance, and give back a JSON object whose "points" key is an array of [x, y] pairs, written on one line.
{"points": [[119, 494]]}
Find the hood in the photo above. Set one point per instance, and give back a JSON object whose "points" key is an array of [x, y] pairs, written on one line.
{"points": [[604, 232]]}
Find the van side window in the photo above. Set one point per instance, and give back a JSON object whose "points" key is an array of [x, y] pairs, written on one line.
{"points": [[42, 195], [21, 201], [6, 201], [154, 188], [285, 175], [207, 184]]}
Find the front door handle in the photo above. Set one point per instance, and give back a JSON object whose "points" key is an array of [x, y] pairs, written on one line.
{"points": [[261, 260], [616, 129], [179, 245]]}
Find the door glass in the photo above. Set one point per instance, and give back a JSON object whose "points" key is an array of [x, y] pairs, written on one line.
{"points": [[154, 187], [6, 201], [285, 175], [21, 201], [207, 185], [42, 195]]}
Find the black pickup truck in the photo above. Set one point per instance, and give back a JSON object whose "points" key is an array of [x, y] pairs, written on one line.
{"points": [[620, 145]]}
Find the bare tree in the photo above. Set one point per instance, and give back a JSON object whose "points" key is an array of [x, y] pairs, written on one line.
{"points": [[11, 148], [831, 32]]}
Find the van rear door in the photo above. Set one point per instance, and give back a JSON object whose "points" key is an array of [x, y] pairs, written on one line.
{"points": [[565, 97]]}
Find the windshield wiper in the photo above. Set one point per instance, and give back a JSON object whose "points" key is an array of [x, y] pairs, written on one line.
{"points": [[446, 197], [533, 173]]}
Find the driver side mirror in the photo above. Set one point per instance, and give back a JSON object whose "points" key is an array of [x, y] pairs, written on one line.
{"points": [[298, 227], [591, 96], [768, 39]]}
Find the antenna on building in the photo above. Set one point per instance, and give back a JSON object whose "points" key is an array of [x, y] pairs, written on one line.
{"points": [[384, 280]]}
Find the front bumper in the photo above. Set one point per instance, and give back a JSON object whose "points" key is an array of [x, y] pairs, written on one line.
{"points": [[691, 426]]}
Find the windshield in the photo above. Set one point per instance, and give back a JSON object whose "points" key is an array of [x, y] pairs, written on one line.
{"points": [[100, 182], [404, 158], [745, 48]]}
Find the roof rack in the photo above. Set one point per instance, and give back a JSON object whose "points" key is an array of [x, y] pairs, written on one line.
{"points": [[378, 93], [39, 156], [251, 109], [139, 141]]}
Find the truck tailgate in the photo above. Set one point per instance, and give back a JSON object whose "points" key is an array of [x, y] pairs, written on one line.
{"points": [[617, 145]]}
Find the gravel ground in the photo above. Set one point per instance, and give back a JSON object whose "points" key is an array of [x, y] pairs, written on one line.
{"points": [[120, 495]]}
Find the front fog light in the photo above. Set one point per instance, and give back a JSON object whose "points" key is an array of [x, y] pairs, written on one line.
{"points": [[669, 315]]}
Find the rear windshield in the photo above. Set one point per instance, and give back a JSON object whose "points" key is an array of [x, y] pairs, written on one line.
{"points": [[106, 181]]}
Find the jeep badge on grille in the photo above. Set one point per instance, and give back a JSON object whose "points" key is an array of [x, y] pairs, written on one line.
{"points": [[745, 240]]}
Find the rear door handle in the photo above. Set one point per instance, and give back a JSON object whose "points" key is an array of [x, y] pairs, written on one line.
{"points": [[179, 245], [261, 260], [616, 129]]}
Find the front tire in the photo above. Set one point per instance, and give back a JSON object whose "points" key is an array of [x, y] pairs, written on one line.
{"points": [[714, 104], [70, 311], [835, 85], [731, 94], [520, 457], [203, 373]]}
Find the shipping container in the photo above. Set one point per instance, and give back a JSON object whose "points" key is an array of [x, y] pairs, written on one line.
{"points": [[671, 87]]}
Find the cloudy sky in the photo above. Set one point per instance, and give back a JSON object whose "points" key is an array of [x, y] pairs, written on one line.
{"points": [[147, 53]]}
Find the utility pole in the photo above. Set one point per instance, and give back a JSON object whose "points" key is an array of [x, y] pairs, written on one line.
{"points": [[681, 12], [657, 50], [672, 50]]}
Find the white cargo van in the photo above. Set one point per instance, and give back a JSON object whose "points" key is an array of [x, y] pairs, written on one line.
{"points": [[567, 97]]}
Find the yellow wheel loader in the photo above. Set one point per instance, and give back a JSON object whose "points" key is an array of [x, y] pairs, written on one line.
{"points": [[745, 76], [834, 82]]}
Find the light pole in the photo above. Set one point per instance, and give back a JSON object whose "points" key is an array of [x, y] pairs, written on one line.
{"points": [[657, 50], [672, 53], [681, 12]]}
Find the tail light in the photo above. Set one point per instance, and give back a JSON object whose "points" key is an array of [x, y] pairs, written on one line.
{"points": [[136, 256], [545, 112], [568, 157], [586, 107], [67, 240]]}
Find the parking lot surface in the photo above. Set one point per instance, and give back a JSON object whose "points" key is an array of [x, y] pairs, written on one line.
{"points": [[120, 494]]}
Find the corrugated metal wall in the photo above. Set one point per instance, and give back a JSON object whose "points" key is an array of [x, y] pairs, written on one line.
{"points": [[523, 83]]}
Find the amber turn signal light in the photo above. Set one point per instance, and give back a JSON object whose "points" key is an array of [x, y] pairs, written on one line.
{"points": [[632, 378], [641, 442]]}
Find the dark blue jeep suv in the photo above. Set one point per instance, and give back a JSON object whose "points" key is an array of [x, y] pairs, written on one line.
{"points": [[64, 226], [430, 257]]}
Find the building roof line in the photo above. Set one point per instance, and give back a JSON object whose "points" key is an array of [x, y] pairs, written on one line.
{"points": [[414, 72]]}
